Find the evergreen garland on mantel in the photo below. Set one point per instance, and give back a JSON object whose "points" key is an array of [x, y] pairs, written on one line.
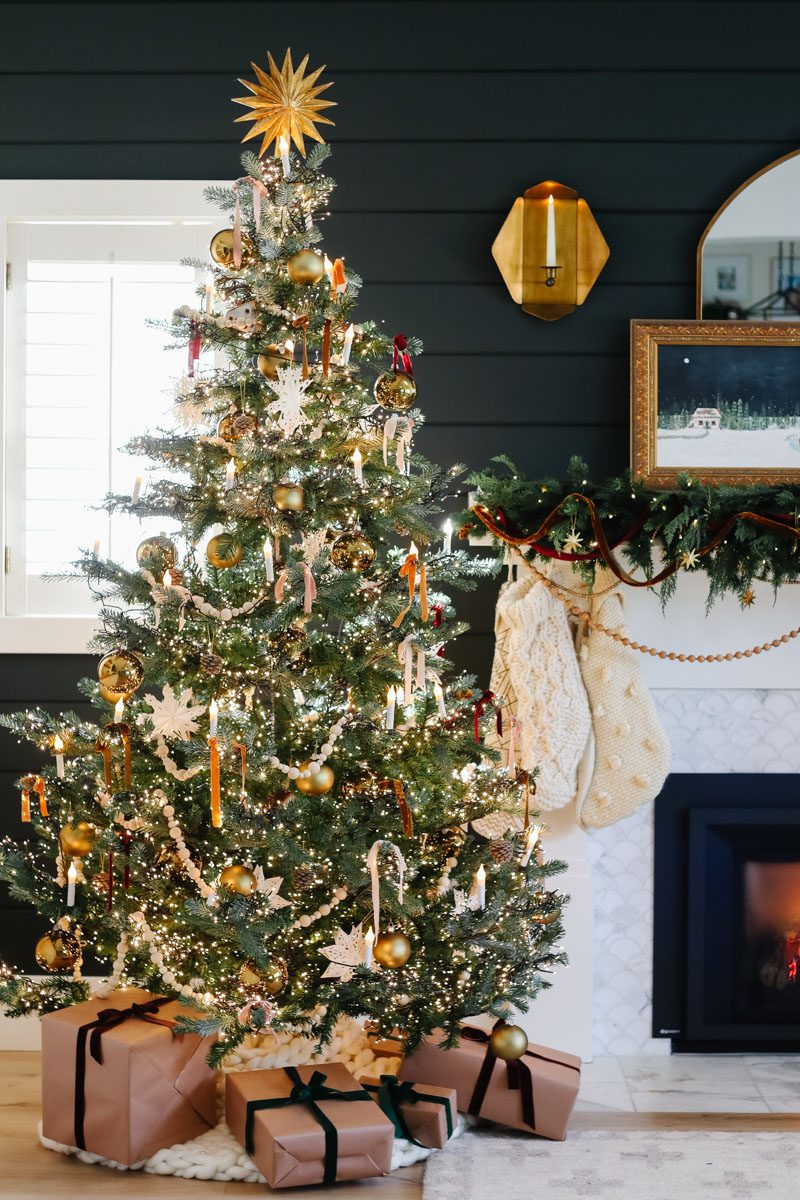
{"points": [[650, 528]]}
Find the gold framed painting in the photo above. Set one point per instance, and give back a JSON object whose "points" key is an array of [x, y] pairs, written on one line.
{"points": [[719, 400]]}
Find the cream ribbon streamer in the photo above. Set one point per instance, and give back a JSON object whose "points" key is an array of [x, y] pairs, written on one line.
{"points": [[372, 866]]}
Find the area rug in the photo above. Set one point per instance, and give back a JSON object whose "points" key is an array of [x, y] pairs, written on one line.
{"points": [[671, 1165]]}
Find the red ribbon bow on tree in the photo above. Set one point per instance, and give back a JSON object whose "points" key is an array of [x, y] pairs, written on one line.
{"points": [[480, 708], [402, 359]]}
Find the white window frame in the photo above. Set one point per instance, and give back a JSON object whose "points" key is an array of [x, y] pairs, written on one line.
{"points": [[107, 200]]}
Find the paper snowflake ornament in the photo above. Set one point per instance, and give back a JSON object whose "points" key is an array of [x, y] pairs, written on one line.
{"points": [[347, 952], [290, 390], [465, 901], [190, 401], [172, 716], [270, 888], [312, 545]]}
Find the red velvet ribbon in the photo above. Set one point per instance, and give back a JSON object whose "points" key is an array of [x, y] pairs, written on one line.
{"points": [[194, 346], [480, 708], [402, 359], [562, 556], [125, 840], [438, 617]]}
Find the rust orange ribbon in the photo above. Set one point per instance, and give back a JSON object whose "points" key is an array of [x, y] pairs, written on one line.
{"points": [[326, 347], [338, 279], [216, 807], [402, 804], [102, 747], [240, 746], [301, 323], [35, 784], [409, 571]]}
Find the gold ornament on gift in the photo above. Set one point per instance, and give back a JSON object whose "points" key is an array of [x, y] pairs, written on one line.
{"points": [[306, 267], [284, 105], [392, 949], [77, 840], [157, 552], [221, 250], [317, 784], [58, 950], [508, 1042], [395, 390], [289, 497], [120, 674], [238, 878], [271, 359], [271, 978], [223, 551], [352, 551]]}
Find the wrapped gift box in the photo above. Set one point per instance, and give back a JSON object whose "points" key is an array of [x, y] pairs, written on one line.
{"points": [[424, 1113], [298, 1133], [119, 1084], [390, 1044], [537, 1093]]}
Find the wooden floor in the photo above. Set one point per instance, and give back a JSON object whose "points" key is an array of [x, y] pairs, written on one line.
{"points": [[28, 1171]]}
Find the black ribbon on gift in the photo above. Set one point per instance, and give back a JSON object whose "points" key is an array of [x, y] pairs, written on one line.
{"points": [[310, 1094], [92, 1031], [392, 1094], [519, 1074]]}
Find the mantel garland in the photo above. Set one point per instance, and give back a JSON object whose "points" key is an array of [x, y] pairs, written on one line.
{"points": [[735, 535]]}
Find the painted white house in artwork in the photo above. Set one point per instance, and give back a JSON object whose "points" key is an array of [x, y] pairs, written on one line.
{"points": [[705, 418]]}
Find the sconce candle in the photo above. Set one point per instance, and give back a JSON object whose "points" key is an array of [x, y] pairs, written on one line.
{"points": [[357, 467], [137, 488], [550, 252], [391, 704], [213, 718], [269, 560], [119, 708], [230, 472]]}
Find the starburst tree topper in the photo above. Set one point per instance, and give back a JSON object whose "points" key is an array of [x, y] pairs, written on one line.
{"points": [[285, 104]]}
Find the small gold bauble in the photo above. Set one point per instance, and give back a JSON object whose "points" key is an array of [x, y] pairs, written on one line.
{"points": [[225, 426], [271, 359], [352, 551], [58, 950], [306, 267], [395, 390], [317, 784], [157, 552], [120, 674], [508, 1042], [392, 949], [271, 978], [546, 918], [289, 497], [224, 551], [77, 840], [239, 879], [221, 250]]}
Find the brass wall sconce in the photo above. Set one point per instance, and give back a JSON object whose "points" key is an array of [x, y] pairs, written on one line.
{"points": [[550, 251]]}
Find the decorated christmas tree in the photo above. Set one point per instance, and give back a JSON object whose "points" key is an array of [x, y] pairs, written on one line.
{"points": [[286, 811]]}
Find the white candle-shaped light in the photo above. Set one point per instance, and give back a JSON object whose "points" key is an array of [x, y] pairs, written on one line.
{"points": [[391, 704], [369, 942], [209, 295], [288, 348], [550, 251], [283, 150], [438, 694], [530, 844], [480, 886], [230, 472], [96, 548], [72, 879], [348, 344], [213, 718], [447, 529], [119, 708], [357, 460], [58, 748], [166, 579], [328, 268], [269, 560], [137, 488]]}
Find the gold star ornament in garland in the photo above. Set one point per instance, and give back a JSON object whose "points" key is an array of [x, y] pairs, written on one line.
{"points": [[285, 104], [748, 598]]}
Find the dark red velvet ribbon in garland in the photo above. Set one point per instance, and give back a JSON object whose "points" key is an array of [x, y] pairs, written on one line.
{"points": [[480, 708], [548, 552], [401, 355]]}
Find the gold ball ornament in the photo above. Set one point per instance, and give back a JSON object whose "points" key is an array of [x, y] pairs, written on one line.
{"points": [[58, 950], [352, 551], [77, 840], [289, 497], [317, 784], [158, 552], [270, 360], [306, 267], [223, 551], [239, 879], [120, 674], [271, 978], [392, 949], [221, 250], [395, 390], [508, 1042]]}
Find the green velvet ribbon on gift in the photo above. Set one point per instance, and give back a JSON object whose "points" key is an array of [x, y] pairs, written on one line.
{"points": [[310, 1094], [392, 1094]]}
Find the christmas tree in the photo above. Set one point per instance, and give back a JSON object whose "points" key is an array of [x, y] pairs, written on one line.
{"points": [[286, 811]]}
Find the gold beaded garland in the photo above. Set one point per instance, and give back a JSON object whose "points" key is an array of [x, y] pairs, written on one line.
{"points": [[392, 949], [317, 784]]}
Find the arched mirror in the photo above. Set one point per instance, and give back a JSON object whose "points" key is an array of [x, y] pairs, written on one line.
{"points": [[748, 260]]}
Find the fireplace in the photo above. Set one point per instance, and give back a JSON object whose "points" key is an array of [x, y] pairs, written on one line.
{"points": [[726, 963]]}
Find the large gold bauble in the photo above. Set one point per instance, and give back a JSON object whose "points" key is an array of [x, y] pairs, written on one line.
{"points": [[352, 551], [58, 950], [508, 1042], [289, 497], [77, 840], [223, 551], [239, 879], [120, 674], [271, 978], [395, 390], [221, 250], [392, 949], [271, 359], [306, 267], [158, 553], [317, 784]]}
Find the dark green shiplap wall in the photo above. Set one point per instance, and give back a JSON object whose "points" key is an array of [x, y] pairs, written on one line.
{"points": [[447, 111]]}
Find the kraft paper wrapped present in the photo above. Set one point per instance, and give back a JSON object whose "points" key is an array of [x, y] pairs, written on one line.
{"points": [[305, 1125], [421, 1113], [536, 1093], [391, 1044], [117, 1082]]}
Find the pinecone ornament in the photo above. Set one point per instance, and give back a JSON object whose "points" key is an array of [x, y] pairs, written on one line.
{"points": [[244, 424], [303, 878], [211, 664], [501, 850]]}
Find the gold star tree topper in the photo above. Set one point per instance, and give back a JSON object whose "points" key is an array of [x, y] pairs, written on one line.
{"points": [[285, 103]]}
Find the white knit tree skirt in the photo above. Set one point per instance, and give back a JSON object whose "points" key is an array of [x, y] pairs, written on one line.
{"points": [[216, 1154]]}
